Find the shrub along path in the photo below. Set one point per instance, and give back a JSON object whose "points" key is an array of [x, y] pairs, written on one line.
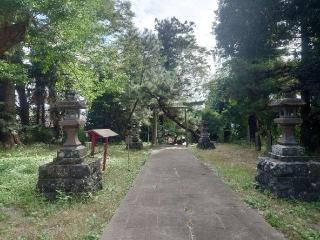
{"points": [[176, 197]]}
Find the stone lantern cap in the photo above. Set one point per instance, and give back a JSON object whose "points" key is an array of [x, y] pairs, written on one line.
{"points": [[71, 104], [288, 110], [288, 102]]}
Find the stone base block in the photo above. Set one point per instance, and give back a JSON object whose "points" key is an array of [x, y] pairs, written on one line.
{"points": [[73, 179], [71, 152], [205, 144], [299, 180], [282, 150]]}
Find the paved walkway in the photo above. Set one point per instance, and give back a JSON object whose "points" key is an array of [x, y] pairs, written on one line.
{"points": [[175, 197]]}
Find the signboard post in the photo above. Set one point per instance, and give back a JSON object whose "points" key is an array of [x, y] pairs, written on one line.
{"points": [[104, 134]]}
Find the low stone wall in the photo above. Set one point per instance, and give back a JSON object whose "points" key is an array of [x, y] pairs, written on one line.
{"points": [[71, 179], [300, 180]]}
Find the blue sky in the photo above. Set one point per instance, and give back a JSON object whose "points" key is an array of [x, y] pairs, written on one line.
{"points": [[199, 11]]}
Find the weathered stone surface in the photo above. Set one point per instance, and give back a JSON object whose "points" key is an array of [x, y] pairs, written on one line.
{"points": [[71, 152], [299, 180], [71, 179], [204, 140], [287, 172], [205, 144], [136, 142], [67, 172], [283, 150], [68, 161]]}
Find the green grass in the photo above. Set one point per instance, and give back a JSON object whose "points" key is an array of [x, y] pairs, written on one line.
{"points": [[26, 215], [236, 165]]}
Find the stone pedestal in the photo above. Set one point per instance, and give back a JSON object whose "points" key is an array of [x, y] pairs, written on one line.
{"points": [[204, 140], [71, 179], [298, 177], [71, 173]]}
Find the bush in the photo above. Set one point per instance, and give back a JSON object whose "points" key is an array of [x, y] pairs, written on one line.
{"points": [[36, 133], [82, 135]]}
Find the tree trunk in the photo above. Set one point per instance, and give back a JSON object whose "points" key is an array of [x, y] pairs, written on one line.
{"points": [[38, 112], [9, 109], [252, 124], [39, 96], [43, 114], [306, 127], [9, 97], [11, 35], [54, 113], [155, 128], [173, 118], [24, 105]]}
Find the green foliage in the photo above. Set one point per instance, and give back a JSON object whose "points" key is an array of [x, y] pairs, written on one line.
{"points": [[242, 88], [255, 202], [82, 135], [108, 111], [67, 44], [250, 29], [182, 55], [36, 134], [258, 44], [77, 218], [12, 72], [273, 219]]}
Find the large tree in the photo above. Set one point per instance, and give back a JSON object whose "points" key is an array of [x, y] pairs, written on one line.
{"points": [[254, 36], [67, 41]]}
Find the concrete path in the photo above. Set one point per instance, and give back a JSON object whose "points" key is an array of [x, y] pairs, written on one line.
{"points": [[175, 197]]}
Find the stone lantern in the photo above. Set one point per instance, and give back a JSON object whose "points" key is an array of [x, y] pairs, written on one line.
{"points": [[204, 140], [71, 171], [72, 150], [136, 142], [286, 171], [288, 119]]}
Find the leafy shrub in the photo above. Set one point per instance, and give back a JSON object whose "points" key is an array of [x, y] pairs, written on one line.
{"points": [[36, 133], [82, 135]]}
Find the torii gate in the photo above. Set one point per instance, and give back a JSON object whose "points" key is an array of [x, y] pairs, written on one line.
{"points": [[185, 107]]}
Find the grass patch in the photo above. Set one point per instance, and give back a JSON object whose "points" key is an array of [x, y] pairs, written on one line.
{"points": [[236, 165], [26, 215]]}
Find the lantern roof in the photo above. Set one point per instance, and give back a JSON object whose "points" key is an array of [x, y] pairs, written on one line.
{"points": [[71, 102], [287, 102]]}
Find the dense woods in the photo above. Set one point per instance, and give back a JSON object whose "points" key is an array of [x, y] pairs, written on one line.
{"points": [[94, 48], [266, 49]]}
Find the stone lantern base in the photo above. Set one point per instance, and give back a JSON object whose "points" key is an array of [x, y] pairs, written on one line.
{"points": [[204, 140], [290, 176], [70, 173], [205, 143]]}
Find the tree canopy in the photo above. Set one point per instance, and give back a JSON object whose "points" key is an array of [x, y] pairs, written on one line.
{"points": [[267, 48]]}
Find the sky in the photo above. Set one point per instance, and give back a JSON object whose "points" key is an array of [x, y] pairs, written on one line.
{"points": [[199, 11]]}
